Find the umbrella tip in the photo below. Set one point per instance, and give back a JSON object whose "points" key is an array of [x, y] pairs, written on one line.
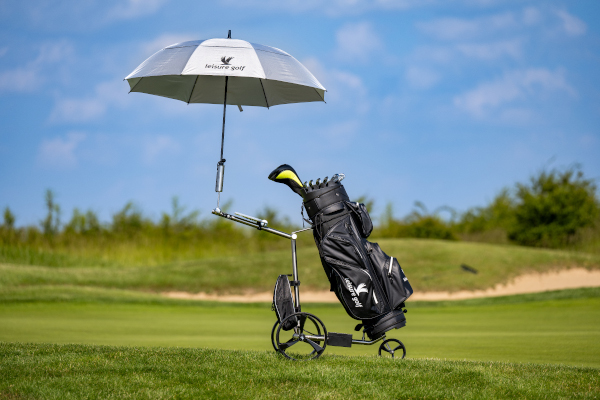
{"points": [[229, 34]]}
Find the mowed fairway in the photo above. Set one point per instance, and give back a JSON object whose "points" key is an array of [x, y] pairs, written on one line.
{"points": [[559, 327]]}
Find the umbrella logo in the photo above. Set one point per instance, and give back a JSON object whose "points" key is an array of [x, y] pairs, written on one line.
{"points": [[225, 60]]}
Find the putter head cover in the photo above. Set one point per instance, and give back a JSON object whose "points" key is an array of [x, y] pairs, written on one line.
{"points": [[286, 175]]}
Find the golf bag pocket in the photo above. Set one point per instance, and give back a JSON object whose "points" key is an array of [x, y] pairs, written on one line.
{"points": [[283, 303], [355, 289], [362, 218], [390, 274]]}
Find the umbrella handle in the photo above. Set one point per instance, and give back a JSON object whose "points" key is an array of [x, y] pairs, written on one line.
{"points": [[220, 176]]}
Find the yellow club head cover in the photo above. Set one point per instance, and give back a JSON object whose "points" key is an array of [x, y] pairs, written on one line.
{"points": [[286, 175]]}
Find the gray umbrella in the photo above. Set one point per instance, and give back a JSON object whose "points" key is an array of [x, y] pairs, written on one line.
{"points": [[226, 71]]}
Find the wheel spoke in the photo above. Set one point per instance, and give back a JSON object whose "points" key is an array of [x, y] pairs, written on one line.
{"points": [[314, 350], [315, 346], [288, 344], [385, 346]]}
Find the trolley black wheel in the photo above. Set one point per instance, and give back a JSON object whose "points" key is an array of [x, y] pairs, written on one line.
{"points": [[306, 341], [273, 336], [391, 348]]}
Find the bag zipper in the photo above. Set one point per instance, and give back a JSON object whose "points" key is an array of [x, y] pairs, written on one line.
{"points": [[390, 268]]}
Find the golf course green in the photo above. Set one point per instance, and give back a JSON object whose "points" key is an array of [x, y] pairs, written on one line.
{"points": [[554, 327], [54, 321]]}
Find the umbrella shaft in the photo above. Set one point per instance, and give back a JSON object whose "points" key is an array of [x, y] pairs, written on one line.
{"points": [[224, 111]]}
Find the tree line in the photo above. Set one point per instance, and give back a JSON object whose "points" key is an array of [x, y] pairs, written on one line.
{"points": [[557, 208]]}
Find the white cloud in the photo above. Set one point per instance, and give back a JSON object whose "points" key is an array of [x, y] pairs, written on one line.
{"points": [[83, 15], [422, 78], [77, 110], [60, 152], [572, 25], [158, 146], [113, 93], [344, 89], [357, 42], [491, 51], [24, 79], [459, 28], [451, 53], [508, 23], [33, 74], [134, 8], [341, 133], [513, 86], [331, 7], [106, 94], [164, 40], [531, 16]]}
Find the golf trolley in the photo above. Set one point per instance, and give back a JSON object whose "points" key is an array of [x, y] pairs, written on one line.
{"points": [[370, 285], [299, 335]]}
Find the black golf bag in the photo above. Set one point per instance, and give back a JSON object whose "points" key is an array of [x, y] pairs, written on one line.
{"points": [[370, 284]]}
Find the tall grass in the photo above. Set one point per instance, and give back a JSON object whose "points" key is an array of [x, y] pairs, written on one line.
{"points": [[557, 209], [131, 238]]}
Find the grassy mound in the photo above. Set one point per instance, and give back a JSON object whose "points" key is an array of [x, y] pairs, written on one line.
{"points": [[80, 371], [431, 265]]}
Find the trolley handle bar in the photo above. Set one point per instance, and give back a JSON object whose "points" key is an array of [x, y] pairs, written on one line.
{"points": [[257, 224]]}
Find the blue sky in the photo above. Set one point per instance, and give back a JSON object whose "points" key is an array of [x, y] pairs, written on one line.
{"points": [[444, 102]]}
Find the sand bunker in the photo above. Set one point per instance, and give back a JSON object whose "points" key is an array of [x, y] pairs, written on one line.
{"points": [[529, 283]]}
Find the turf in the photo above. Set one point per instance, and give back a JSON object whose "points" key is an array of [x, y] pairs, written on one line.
{"points": [[83, 371], [429, 264], [556, 327]]}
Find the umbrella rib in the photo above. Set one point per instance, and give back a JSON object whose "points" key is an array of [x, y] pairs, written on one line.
{"points": [[264, 94], [137, 83], [193, 87]]}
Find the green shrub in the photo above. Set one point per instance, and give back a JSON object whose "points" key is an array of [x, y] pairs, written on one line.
{"points": [[499, 213], [418, 224], [553, 208]]}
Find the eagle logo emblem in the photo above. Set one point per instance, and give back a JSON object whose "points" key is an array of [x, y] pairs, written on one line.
{"points": [[225, 60], [362, 288]]}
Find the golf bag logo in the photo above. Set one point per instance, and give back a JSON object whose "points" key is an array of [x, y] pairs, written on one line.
{"points": [[355, 292], [362, 288], [225, 60]]}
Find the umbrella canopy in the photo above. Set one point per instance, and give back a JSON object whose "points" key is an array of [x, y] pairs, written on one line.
{"points": [[226, 71], [197, 71]]}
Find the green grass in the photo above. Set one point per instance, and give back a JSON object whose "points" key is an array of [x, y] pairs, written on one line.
{"points": [[83, 371], [544, 345], [556, 327], [429, 264]]}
